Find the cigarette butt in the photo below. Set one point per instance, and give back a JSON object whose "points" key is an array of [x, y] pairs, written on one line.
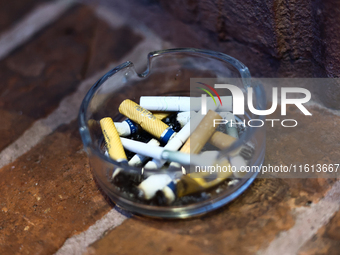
{"points": [[173, 145], [187, 185], [178, 140], [145, 149], [139, 159], [146, 120], [184, 117], [203, 132], [161, 115], [195, 120], [192, 183], [221, 140], [112, 140], [156, 182], [186, 147], [230, 128], [126, 127], [181, 104], [165, 103], [170, 193]]}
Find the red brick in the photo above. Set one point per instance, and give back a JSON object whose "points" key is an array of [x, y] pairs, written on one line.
{"points": [[12, 124], [245, 226], [333, 227], [326, 240], [38, 75], [48, 195], [13, 11], [313, 141], [110, 45]]}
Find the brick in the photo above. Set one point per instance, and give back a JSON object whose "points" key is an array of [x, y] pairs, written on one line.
{"points": [[237, 228], [254, 219], [272, 38], [109, 50], [12, 124], [12, 11], [127, 241], [333, 227], [38, 75], [314, 140], [48, 195], [243, 227], [326, 240]]}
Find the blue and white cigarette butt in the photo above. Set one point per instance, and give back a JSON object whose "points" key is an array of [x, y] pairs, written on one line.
{"points": [[126, 127], [154, 183], [174, 144], [139, 159], [184, 117]]}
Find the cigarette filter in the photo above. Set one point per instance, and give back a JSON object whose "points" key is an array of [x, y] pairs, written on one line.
{"points": [[144, 149], [221, 140], [139, 159], [157, 182], [186, 147], [126, 128], [146, 120], [173, 145], [203, 132], [112, 140], [196, 120], [184, 117], [189, 184]]}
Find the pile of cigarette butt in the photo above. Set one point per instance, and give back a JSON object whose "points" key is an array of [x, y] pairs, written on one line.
{"points": [[163, 136]]}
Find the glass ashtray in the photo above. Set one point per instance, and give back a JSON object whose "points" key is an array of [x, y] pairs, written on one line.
{"points": [[170, 73]]}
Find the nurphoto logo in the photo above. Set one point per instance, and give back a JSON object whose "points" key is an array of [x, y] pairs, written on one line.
{"points": [[238, 102]]}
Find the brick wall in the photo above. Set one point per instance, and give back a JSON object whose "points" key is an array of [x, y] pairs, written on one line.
{"points": [[273, 38]]}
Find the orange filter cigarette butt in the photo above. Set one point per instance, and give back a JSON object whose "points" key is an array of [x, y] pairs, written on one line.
{"points": [[221, 140], [203, 132], [112, 140], [186, 147], [146, 120]]}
